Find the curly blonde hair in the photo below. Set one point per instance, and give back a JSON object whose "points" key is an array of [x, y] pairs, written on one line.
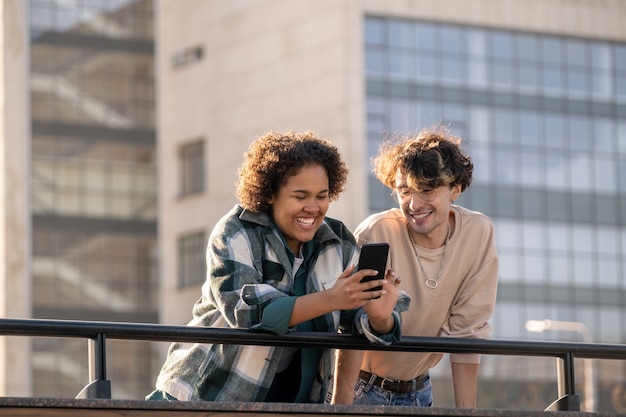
{"points": [[275, 156]]}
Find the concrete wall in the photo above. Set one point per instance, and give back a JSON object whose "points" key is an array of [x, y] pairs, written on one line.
{"points": [[267, 65], [602, 19], [15, 285]]}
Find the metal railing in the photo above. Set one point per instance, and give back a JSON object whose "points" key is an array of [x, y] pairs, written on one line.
{"points": [[97, 333]]}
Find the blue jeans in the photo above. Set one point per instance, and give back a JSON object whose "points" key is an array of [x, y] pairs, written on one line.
{"points": [[368, 394]]}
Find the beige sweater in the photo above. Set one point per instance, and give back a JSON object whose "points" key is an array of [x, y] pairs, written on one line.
{"points": [[460, 306]]}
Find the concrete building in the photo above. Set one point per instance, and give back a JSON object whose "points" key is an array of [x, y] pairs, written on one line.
{"points": [[536, 88]]}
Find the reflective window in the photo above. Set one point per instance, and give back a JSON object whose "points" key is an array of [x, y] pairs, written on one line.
{"points": [[401, 34], [557, 171], [110, 89], [453, 40], [93, 183], [576, 53], [503, 73], [611, 320], [620, 86], [605, 175], [191, 259], [533, 169], [399, 64], [534, 236], [454, 68], [601, 74], [581, 171], [453, 54], [560, 269], [501, 45], [374, 31], [477, 59], [481, 157], [93, 270], [426, 66], [529, 76], [128, 18], [399, 116], [554, 132], [535, 268], [580, 133], [97, 179], [541, 116], [528, 48], [609, 271], [551, 50], [584, 273], [511, 265], [620, 57], [583, 239], [604, 134], [552, 79], [427, 38], [622, 175], [530, 128], [375, 63], [506, 124], [191, 166], [559, 252]]}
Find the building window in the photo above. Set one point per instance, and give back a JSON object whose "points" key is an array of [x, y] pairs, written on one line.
{"points": [[191, 168], [191, 261]]}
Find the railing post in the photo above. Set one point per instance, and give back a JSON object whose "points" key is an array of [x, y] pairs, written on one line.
{"points": [[568, 399], [566, 378], [99, 387], [97, 359]]}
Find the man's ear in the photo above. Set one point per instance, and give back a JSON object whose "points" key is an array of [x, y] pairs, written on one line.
{"points": [[456, 192]]}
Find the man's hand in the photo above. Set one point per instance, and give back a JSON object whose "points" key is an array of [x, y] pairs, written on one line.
{"points": [[379, 310]]}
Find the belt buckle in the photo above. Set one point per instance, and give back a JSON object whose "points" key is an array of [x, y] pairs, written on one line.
{"points": [[382, 383]]}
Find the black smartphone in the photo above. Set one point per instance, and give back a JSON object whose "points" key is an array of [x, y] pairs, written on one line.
{"points": [[374, 256]]}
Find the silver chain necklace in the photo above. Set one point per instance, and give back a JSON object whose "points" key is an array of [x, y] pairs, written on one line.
{"points": [[431, 282]]}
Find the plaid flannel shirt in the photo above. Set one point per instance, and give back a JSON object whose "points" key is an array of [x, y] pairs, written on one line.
{"points": [[248, 269]]}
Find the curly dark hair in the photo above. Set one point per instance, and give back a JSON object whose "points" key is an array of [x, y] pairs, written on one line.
{"points": [[433, 158], [275, 156]]}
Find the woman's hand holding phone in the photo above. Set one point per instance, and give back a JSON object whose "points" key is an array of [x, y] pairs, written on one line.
{"points": [[374, 256]]}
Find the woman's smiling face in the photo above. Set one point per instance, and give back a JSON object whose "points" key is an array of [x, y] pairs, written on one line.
{"points": [[300, 205]]}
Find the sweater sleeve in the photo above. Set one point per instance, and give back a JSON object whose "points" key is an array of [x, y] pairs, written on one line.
{"points": [[276, 316], [475, 302]]}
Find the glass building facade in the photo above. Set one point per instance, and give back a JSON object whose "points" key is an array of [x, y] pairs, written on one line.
{"points": [[93, 185], [544, 119]]}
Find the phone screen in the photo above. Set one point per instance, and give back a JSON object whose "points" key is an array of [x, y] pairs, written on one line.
{"points": [[374, 256]]}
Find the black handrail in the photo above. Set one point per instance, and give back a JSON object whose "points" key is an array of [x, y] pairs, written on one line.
{"points": [[97, 332]]}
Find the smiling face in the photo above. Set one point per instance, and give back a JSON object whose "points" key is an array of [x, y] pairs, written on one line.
{"points": [[427, 212], [300, 205]]}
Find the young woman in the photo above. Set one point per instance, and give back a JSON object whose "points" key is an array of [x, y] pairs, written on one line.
{"points": [[276, 263]]}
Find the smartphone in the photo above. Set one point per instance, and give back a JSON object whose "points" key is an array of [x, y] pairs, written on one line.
{"points": [[374, 256]]}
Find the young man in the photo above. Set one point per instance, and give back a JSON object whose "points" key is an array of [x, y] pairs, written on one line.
{"points": [[446, 256]]}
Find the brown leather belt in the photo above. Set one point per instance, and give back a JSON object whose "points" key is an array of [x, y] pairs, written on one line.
{"points": [[394, 385]]}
